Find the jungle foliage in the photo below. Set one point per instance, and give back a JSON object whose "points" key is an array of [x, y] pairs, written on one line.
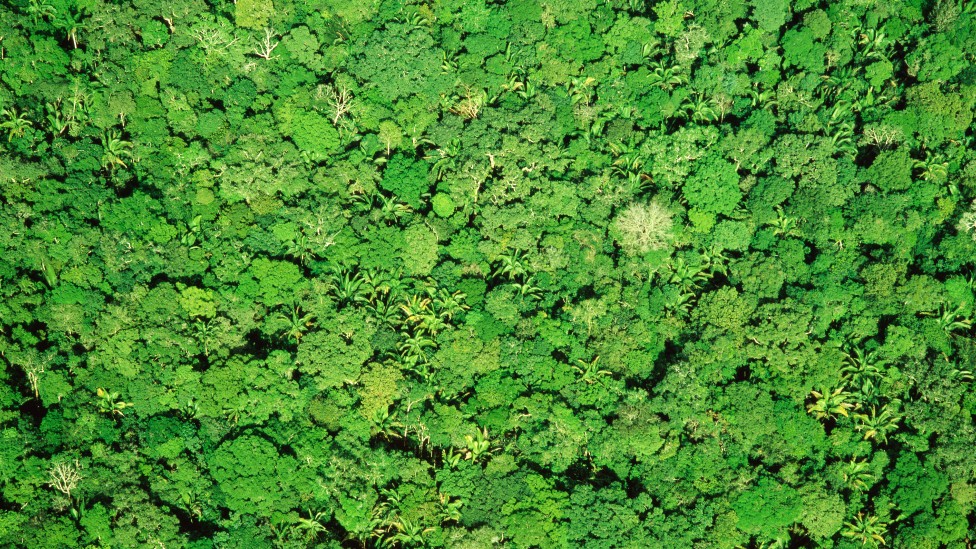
{"points": [[484, 273]]}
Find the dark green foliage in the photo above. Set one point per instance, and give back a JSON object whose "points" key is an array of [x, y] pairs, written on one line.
{"points": [[714, 187], [406, 178], [526, 273]]}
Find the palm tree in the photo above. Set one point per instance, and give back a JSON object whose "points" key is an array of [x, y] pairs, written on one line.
{"points": [[413, 354], [784, 225], [383, 308], [951, 320], [677, 301], [69, 22], [16, 123], [300, 248], [477, 445], [449, 511], [863, 373], [410, 533], [858, 476], [859, 366], [666, 77], [109, 403], [697, 109], [386, 424], [934, 168], [878, 425], [37, 9], [869, 530], [591, 373], [511, 265], [296, 323], [415, 309], [873, 43], [527, 289], [203, 330], [116, 150], [829, 404], [391, 209], [763, 99], [347, 285], [447, 304], [383, 284], [446, 159], [629, 165], [843, 140], [312, 526], [685, 275]]}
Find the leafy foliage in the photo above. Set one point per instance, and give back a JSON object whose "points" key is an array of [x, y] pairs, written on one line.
{"points": [[523, 273]]}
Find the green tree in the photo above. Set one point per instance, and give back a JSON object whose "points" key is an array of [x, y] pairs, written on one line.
{"points": [[254, 14]]}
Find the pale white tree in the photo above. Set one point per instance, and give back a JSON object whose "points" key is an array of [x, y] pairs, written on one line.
{"points": [[65, 476], [967, 223], [641, 228]]}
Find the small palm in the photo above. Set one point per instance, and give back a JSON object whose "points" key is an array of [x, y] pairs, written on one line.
{"points": [[829, 404], [117, 150], [16, 123]]}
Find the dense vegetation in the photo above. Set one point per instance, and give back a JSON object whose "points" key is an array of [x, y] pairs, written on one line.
{"points": [[468, 273]]}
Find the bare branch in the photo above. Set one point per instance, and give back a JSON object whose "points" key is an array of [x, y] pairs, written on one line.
{"points": [[267, 45], [65, 477], [470, 105], [339, 100], [211, 39]]}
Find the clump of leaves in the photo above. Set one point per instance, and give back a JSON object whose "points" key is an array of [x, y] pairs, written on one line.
{"points": [[829, 404], [110, 403]]}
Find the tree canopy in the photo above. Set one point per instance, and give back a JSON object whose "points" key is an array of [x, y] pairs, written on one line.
{"points": [[468, 273]]}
